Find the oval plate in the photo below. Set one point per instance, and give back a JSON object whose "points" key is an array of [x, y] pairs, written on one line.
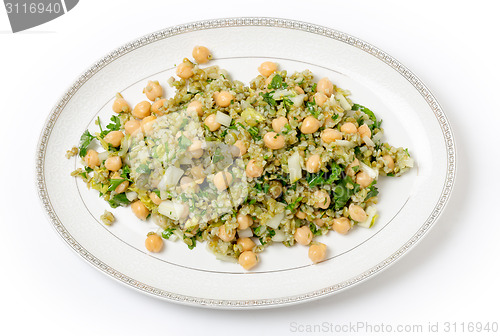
{"points": [[408, 205]]}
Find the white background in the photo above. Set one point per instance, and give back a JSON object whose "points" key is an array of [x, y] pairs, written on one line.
{"points": [[452, 275]]}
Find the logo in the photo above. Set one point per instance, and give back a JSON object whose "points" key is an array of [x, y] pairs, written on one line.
{"points": [[25, 14]]}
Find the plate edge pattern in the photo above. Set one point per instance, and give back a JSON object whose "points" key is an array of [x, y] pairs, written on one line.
{"points": [[242, 22]]}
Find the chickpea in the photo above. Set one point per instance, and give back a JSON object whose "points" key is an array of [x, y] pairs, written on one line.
{"points": [[310, 125], [275, 189], [132, 126], [211, 123], [363, 179], [140, 210], [114, 138], [319, 221], [195, 106], [322, 199], [222, 180], [267, 68], [240, 148], [223, 98], [248, 260], [198, 173], [201, 54], [348, 127], [300, 215], [357, 213], [224, 235], [253, 169], [364, 130], [153, 90], [313, 163], [142, 109], [389, 161], [158, 106], [320, 98], [147, 124], [330, 135], [154, 197], [154, 243], [279, 123], [185, 70], [303, 235], [120, 105], [329, 122], [274, 141], [298, 89], [91, 159], [246, 243], [122, 187], [325, 86], [113, 163], [244, 221], [341, 225], [317, 252], [196, 149], [188, 184]]}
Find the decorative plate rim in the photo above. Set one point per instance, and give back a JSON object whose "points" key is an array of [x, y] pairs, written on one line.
{"points": [[245, 22]]}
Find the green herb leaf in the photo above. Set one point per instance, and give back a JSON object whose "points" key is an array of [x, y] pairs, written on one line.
{"points": [[85, 141], [342, 194], [277, 83], [369, 113], [268, 98], [293, 205], [115, 183], [372, 192], [167, 233], [119, 200], [254, 132]]}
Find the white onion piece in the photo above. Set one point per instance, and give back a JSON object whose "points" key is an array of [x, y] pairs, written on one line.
{"points": [[223, 119], [297, 100], [368, 141], [371, 211], [345, 143], [279, 236], [131, 195], [103, 156], [342, 101], [294, 167], [368, 170], [247, 233], [170, 178], [275, 221], [171, 209]]}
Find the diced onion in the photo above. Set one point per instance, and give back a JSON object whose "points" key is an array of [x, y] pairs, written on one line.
{"points": [[247, 233], [345, 143], [170, 178], [275, 221], [279, 236], [131, 195], [342, 101], [368, 141], [294, 167], [103, 156], [297, 100], [368, 170], [371, 211], [171, 209], [223, 119]]}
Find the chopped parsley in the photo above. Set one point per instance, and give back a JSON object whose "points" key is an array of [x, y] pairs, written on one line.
{"points": [[167, 233], [254, 132], [277, 83], [85, 141], [268, 98], [293, 205], [143, 169], [119, 200], [342, 194], [184, 142], [370, 114]]}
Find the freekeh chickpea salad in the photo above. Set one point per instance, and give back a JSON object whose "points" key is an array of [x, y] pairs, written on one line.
{"points": [[241, 167]]}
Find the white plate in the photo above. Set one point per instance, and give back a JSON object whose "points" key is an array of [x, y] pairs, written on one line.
{"points": [[408, 206]]}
